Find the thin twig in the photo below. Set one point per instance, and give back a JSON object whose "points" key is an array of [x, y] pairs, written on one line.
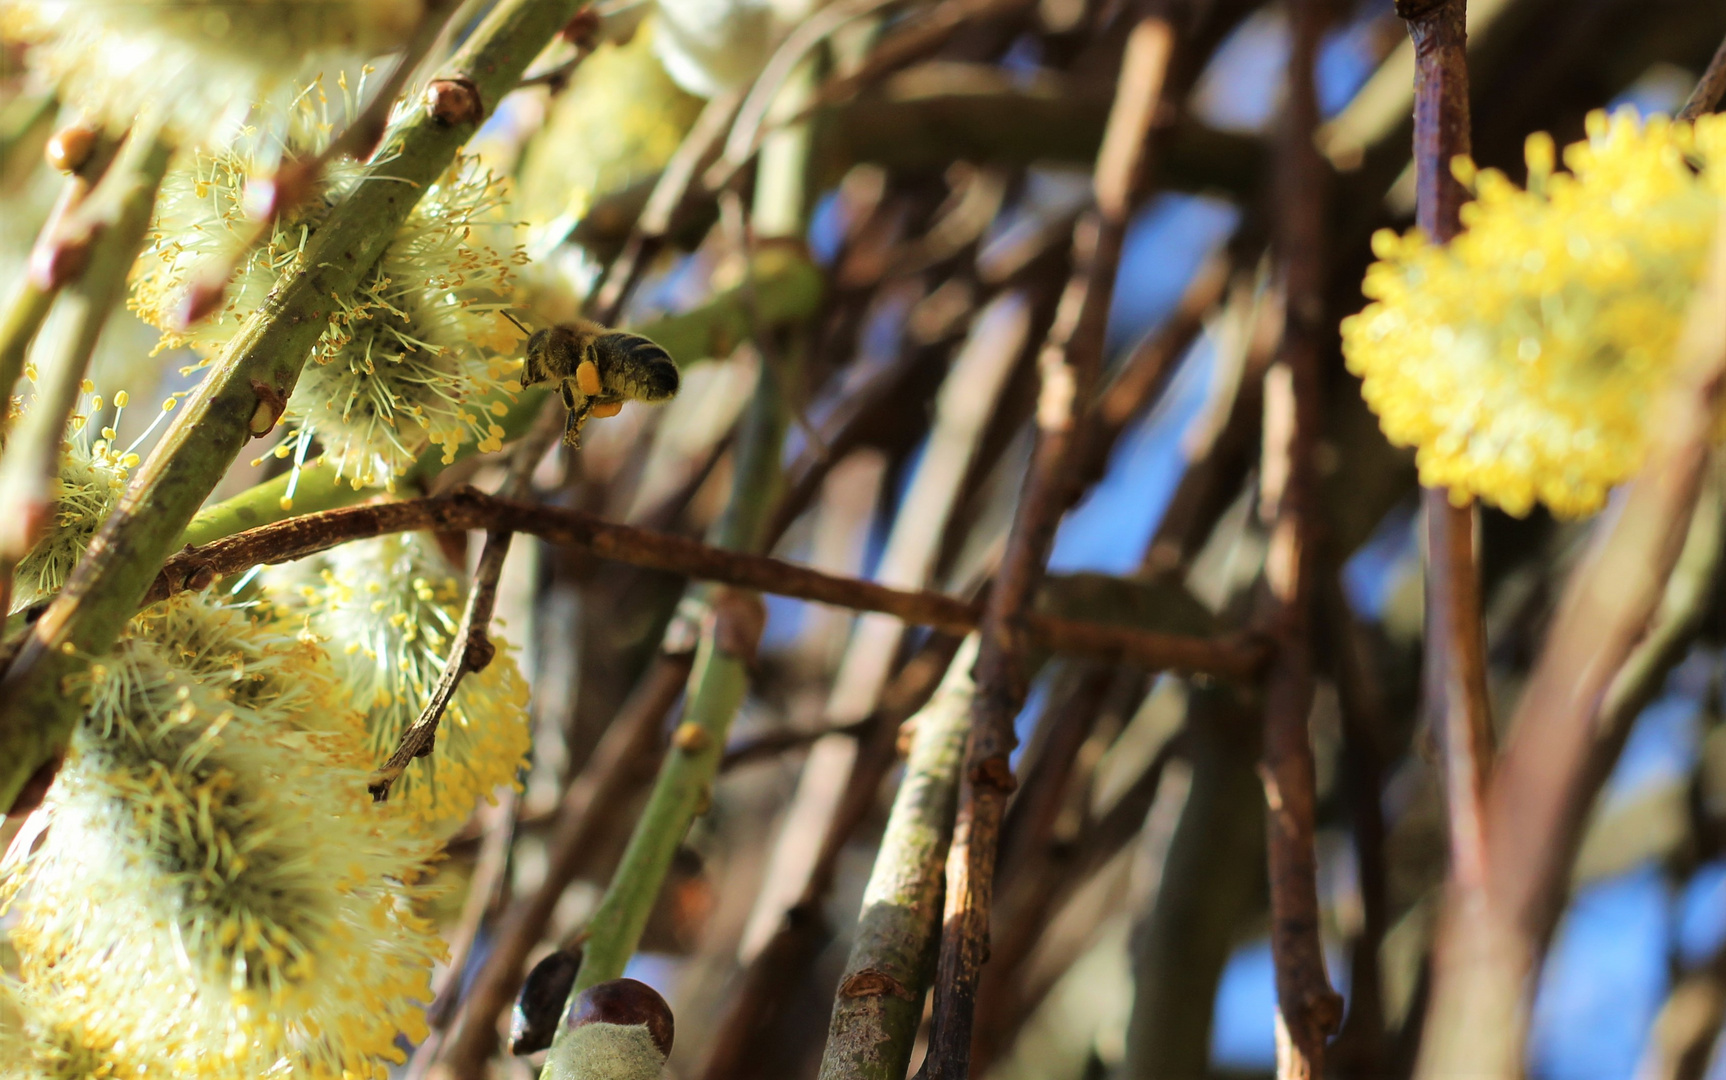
{"points": [[467, 509], [654, 222], [1308, 1010], [1455, 670], [1710, 89], [485, 889], [1070, 363], [471, 650]]}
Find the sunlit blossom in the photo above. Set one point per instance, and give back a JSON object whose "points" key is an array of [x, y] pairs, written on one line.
{"points": [[216, 885], [1522, 360], [387, 610]]}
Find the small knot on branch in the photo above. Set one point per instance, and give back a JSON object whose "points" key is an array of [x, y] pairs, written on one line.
{"points": [[1412, 10], [271, 405], [872, 982], [994, 772], [454, 101]]}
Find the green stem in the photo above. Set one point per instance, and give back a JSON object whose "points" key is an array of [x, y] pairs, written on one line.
{"points": [[258, 369], [717, 685], [25, 311], [113, 222], [880, 1001], [787, 288]]}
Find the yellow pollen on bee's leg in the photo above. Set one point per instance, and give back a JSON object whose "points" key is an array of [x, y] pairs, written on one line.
{"points": [[609, 408], [587, 377]]}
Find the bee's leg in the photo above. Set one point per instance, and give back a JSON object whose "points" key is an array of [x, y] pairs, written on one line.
{"points": [[587, 378], [606, 408], [579, 406]]}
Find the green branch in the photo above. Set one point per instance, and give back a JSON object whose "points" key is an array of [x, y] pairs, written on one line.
{"points": [[257, 371], [880, 1000]]}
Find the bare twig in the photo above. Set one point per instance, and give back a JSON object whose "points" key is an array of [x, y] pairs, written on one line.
{"points": [[1710, 89], [1455, 672], [1070, 364], [471, 650], [485, 889], [1308, 1010], [466, 508]]}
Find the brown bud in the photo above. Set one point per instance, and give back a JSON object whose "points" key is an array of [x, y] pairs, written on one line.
{"points": [[269, 197], [70, 147], [582, 30], [627, 1002], [61, 259], [201, 301], [543, 995], [271, 405], [454, 101], [35, 789]]}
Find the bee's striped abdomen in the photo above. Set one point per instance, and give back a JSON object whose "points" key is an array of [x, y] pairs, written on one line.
{"points": [[634, 367]]}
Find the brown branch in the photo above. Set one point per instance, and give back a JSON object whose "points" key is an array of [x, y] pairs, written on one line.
{"points": [[1710, 88], [1308, 1010], [1455, 672], [467, 509], [471, 650], [1540, 791], [1070, 365]]}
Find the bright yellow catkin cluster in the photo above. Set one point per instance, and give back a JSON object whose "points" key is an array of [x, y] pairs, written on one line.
{"points": [[406, 360], [387, 609], [1523, 360], [197, 65], [217, 896]]}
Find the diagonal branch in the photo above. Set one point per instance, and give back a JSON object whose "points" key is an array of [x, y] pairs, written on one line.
{"points": [[1070, 365]]}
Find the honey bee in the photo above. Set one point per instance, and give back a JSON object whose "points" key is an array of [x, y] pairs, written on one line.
{"points": [[597, 370]]}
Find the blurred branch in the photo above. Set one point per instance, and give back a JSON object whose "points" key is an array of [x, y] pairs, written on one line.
{"points": [[34, 292], [1538, 800], [587, 810], [1710, 89], [242, 394], [1456, 704], [1687, 1028], [779, 967], [1070, 364], [923, 126], [1308, 1010], [106, 229], [1207, 888], [880, 999]]}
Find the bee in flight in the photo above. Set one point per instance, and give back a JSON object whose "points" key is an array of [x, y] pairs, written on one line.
{"points": [[597, 370]]}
